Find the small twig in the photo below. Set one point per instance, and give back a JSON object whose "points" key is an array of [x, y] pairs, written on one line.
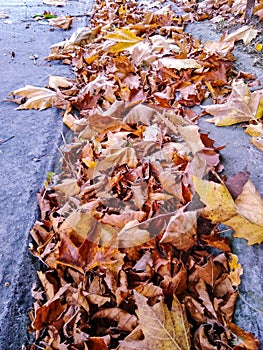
{"points": [[8, 139], [246, 302]]}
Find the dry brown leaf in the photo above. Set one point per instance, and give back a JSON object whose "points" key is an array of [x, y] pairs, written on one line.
{"points": [[163, 329], [62, 22], [241, 106], [69, 187], [36, 97], [181, 230], [126, 321]]}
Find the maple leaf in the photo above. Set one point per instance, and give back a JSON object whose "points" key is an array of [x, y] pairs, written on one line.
{"points": [[37, 98], [163, 329], [241, 106], [125, 39]]}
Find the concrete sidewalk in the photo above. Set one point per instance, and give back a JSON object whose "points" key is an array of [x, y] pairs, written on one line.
{"points": [[29, 153]]}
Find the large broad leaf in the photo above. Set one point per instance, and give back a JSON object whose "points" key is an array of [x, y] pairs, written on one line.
{"points": [[162, 328], [37, 98], [241, 106], [248, 224], [124, 38], [220, 205]]}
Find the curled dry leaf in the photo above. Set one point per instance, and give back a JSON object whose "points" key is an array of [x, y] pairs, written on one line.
{"points": [[35, 97], [241, 106], [62, 22]]}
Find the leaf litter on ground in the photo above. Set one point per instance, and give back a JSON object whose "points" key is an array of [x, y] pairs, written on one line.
{"points": [[129, 233]]}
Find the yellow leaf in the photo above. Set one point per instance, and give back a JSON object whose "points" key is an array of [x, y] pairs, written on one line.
{"points": [[163, 329], [248, 223], [254, 130], [243, 228], [122, 10], [90, 163], [220, 205], [125, 39], [37, 98], [250, 199], [259, 47], [235, 270]]}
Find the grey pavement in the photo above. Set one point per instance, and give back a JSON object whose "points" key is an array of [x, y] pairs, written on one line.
{"points": [[28, 155], [31, 153]]}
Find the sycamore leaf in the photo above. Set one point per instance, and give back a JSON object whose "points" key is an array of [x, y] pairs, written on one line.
{"points": [[181, 230], [179, 64], [245, 33], [124, 38], [69, 187], [241, 106], [55, 82], [220, 206], [248, 223], [163, 329], [37, 98], [243, 228], [62, 22]]}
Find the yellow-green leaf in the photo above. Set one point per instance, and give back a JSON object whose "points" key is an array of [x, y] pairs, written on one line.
{"points": [[124, 38], [220, 205]]}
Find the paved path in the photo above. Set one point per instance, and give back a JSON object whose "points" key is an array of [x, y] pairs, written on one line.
{"points": [[28, 155]]}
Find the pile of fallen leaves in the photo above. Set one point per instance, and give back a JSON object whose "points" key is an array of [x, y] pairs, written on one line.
{"points": [[129, 234]]}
